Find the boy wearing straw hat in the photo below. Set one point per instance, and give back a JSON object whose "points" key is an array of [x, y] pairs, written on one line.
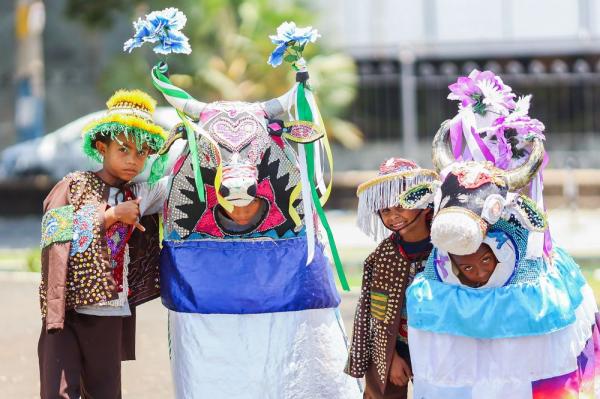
{"points": [[100, 254], [397, 201]]}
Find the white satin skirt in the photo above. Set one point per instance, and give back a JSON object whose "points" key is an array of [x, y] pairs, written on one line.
{"points": [[285, 355]]}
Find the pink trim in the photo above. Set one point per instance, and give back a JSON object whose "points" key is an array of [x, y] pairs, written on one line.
{"points": [[274, 125], [178, 164], [275, 217], [207, 223], [279, 141]]}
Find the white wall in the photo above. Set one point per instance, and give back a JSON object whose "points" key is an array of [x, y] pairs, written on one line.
{"points": [[375, 24]]}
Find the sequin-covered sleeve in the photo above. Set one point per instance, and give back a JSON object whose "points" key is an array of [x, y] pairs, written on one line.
{"points": [[359, 357], [57, 234]]}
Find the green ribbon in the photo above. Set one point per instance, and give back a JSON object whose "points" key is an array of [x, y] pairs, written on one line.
{"points": [[305, 114], [157, 170], [164, 85]]}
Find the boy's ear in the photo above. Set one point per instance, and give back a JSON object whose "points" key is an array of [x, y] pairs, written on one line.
{"points": [[101, 147]]}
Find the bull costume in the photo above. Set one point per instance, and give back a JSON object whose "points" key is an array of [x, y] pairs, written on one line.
{"points": [[380, 325], [253, 307], [93, 276], [531, 330]]}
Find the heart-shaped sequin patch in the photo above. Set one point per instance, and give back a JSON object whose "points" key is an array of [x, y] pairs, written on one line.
{"points": [[235, 135]]}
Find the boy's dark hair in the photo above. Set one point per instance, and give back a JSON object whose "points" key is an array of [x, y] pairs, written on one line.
{"points": [[103, 138]]}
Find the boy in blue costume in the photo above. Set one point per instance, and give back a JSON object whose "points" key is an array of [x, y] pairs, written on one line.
{"points": [[525, 328]]}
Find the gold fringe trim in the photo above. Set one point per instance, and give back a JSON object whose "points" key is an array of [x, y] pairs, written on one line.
{"points": [[131, 121], [132, 99], [393, 176]]}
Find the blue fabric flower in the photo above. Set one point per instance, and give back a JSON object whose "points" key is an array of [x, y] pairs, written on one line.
{"points": [[287, 32], [170, 18], [173, 42], [287, 35], [163, 27], [276, 56]]}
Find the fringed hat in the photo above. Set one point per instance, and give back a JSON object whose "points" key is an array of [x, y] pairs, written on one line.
{"points": [[400, 182], [129, 112]]}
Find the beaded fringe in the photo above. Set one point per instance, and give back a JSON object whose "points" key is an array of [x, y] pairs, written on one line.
{"points": [[380, 196]]}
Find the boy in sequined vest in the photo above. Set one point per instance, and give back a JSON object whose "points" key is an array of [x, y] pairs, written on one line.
{"points": [[393, 207], [100, 254]]}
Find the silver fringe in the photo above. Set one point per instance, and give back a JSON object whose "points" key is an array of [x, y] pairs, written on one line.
{"points": [[380, 196]]}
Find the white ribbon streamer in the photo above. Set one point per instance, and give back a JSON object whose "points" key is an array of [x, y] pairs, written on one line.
{"points": [[308, 205]]}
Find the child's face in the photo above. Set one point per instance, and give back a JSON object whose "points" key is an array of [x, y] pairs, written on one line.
{"points": [[121, 157], [406, 222], [477, 268], [243, 214]]}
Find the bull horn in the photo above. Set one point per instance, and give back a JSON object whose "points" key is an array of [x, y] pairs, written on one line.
{"points": [[277, 106], [174, 95], [521, 176], [189, 106], [442, 155]]}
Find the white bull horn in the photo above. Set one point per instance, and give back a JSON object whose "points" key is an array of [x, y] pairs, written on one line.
{"points": [[175, 96], [442, 155], [277, 106], [521, 176]]}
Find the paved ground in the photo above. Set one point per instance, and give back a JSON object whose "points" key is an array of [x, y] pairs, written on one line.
{"points": [[149, 377]]}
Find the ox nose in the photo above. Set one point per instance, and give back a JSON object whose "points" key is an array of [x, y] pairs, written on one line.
{"points": [[252, 190], [224, 191]]}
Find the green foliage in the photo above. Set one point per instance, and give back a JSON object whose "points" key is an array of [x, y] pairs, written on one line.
{"points": [[34, 260], [230, 46], [96, 14]]}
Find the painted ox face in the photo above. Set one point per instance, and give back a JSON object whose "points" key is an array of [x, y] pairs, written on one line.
{"points": [[474, 195], [239, 183], [471, 198], [240, 132], [256, 163], [236, 152]]}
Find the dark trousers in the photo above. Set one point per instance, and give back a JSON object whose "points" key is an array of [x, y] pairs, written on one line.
{"points": [[392, 391], [83, 359]]}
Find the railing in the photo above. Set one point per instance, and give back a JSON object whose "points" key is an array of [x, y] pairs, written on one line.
{"points": [[566, 96]]}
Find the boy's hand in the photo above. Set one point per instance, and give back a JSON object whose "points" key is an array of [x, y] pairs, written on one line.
{"points": [[400, 372], [127, 212]]}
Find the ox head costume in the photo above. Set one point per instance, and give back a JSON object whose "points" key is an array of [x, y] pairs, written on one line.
{"points": [[251, 296], [239, 154], [488, 340]]}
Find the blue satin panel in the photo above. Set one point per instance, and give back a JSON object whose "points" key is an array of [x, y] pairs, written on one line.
{"points": [[515, 310], [241, 277]]}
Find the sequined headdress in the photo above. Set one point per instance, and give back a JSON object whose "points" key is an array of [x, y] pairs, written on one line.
{"points": [[129, 112], [400, 182]]}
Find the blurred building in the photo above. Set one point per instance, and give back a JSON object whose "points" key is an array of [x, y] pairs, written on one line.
{"points": [[409, 52], [74, 58]]}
